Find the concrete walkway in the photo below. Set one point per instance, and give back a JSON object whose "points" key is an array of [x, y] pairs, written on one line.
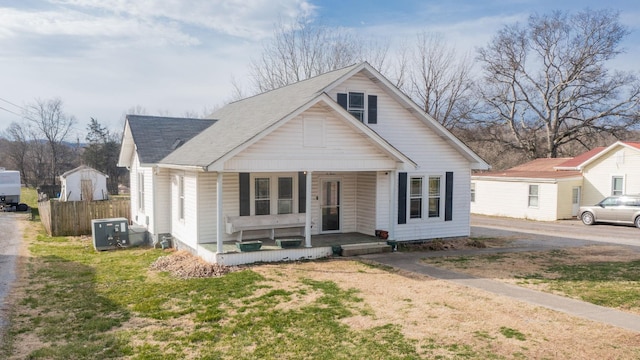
{"points": [[410, 261]]}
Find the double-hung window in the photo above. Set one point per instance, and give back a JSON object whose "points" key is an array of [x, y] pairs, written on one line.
{"points": [[473, 192], [415, 198], [262, 196], [363, 108], [285, 195], [434, 196], [356, 105], [533, 196], [617, 185]]}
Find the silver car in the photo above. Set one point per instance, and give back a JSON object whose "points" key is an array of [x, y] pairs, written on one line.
{"points": [[622, 209]]}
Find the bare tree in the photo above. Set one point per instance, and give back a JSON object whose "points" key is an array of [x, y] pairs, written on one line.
{"points": [[49, 119], [304, 49], [548, 83], [439, 80]]}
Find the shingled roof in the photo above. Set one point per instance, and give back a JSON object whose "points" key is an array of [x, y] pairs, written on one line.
{"points": [[156, 136], [242, 120], [543, 168]]}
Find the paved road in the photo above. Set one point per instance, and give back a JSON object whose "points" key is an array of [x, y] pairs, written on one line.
{"points": [[10, 238], [529, 236]]}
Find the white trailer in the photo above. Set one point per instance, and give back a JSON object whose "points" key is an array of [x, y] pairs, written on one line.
{"points": [[10, 190]]}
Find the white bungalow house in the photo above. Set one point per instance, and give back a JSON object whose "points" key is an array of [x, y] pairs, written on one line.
{"points": [[344, 152], [83, 183], [553, 189]]}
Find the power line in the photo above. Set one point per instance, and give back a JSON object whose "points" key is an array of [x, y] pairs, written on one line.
{"points": [[10, 103], [7, 110]]}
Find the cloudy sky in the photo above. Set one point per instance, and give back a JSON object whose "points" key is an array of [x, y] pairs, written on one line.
{"points": [[172, 57]]}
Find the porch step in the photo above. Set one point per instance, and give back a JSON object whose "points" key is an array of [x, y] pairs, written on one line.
{"points": [[365, 248]]}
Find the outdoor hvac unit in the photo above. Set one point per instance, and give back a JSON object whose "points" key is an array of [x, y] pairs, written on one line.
{"points": [[110, 234]]}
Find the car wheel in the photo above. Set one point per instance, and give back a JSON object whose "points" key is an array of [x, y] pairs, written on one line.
{"points": [[587, 218], [637, 222]]}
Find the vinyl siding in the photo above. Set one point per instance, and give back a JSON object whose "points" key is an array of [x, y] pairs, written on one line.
{"points": [[383, 200], [162, 203], [186, 230], [597, 175], [432, 154], [366, 203], [514, 200], [207, 207], [284, 149], [144, 216]]}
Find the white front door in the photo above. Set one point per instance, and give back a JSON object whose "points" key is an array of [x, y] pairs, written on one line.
{"points": [[330, 205], [575, 200]]}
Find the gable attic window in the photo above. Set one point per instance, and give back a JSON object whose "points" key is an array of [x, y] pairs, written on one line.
{"points": [[360, 106]]}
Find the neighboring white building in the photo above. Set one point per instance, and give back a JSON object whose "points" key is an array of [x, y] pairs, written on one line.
{"points": [[339, 153], [553, 189], [83, 184]]}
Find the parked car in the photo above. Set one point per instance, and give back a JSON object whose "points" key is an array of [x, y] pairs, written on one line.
{"points": [[620, 209]]}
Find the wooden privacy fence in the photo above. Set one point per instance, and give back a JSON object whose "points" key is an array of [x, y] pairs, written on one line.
{"points": [[73, 218]]}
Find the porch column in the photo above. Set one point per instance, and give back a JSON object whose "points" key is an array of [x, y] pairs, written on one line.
{"points": [[307, 224], [393, 211], [219, 215]]}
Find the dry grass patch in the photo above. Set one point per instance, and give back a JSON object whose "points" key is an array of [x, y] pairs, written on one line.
{"points": [[450, 321], [606, 275]]}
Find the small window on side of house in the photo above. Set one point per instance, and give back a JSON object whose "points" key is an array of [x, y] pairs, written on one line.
{"points": [[181, 197], [617, 185], [533, 196], [473, 192]]}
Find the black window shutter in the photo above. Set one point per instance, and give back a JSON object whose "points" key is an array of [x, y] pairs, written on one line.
{"points": [[372, 108], [402, 198], [342, 100], [245, 196], [448, 197], [302, 193]]}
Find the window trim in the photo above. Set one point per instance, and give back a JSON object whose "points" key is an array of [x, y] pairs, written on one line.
{"points": [[141, 191], [621, 191], [426, 197], [413, 197], [535, 196], [437, 197], [273, 191], [181, 197]]}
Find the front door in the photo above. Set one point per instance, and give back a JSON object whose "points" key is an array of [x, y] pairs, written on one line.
{"points": [[575, 200], [330, 206]]}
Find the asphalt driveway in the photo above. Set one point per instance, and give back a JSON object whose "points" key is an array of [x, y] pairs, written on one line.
{"points": [[10, 240]]}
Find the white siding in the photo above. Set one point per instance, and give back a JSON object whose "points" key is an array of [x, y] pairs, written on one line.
{"points": [[597, 176], [162, 203], [383, 200], [284, 149], [207, 207], [513, 199], [71, 185], [433, 155], [186, 229], [144, 216], [366, 203]]}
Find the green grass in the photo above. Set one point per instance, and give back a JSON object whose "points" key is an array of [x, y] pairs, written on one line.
{"points": [[78, 302]]}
